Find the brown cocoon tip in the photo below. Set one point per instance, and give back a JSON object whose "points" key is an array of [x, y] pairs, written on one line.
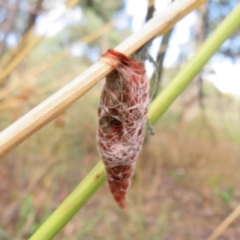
{"points": [[119, 179]]}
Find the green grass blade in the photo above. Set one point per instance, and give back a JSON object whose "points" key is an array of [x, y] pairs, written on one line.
{"points": [[96, 177]]}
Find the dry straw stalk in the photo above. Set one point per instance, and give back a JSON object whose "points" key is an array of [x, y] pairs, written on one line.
{"points": [[65, 97]]}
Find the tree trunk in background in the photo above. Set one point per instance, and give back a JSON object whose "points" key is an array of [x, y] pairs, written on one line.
{"points": [[195, 93], [151, 9], [33, 15], [160, 59], [201, 31]]}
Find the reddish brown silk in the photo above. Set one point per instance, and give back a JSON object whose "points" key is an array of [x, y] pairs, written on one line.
{"points": [[122, 116]]}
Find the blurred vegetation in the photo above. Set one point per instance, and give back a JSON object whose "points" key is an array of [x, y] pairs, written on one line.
{"points": [[187, 176]]}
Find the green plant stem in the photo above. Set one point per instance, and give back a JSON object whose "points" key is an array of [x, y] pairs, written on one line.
{"points": [[72, 204], [96, 177], [192, 68]]}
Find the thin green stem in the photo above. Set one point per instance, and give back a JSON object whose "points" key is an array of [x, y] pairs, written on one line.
{"points": [[96, 177]]}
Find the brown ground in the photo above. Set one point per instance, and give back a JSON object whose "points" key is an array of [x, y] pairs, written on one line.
{"points": [[183, 187]]}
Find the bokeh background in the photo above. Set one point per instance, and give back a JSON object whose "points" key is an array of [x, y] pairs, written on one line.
{"points": [[187, 177]]}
